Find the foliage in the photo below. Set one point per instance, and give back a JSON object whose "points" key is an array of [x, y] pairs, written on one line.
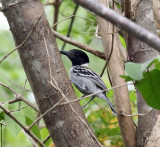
{"points": [[103, 123], [146, 77]]}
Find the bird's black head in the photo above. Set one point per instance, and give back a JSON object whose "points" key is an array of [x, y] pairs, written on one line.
{"points": [[77, 57]]}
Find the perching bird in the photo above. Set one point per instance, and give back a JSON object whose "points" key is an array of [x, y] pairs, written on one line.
{"points": [[84, 79]]}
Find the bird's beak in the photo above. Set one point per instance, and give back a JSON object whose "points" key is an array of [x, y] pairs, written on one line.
{"points": [[64, 53]]}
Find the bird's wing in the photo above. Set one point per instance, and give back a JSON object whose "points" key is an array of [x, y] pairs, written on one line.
{"points": [[82, 88], [88, 73]]}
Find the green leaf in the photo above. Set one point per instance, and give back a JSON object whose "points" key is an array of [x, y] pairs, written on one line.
{"points": [[135, 70], [20, 116], [150, 88], [12, 126], [157, 66], [1, 116], [122, 41], [127, 78], [35, 129], [44, 134], [157, 63]]}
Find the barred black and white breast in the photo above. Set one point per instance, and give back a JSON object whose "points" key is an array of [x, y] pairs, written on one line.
{"points": [[84, 73]]}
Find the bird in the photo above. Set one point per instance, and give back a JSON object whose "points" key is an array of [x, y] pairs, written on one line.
{"points": [[84, 79]]}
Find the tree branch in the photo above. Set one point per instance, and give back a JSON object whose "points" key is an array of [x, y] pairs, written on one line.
{"points": [[22, 126], [112, 47], [19, 97], [77, 44], [116, 68], [56, 5], [46, 139], [121, 22]]}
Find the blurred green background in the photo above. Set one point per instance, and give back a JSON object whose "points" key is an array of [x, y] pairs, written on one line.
{"points": [[103, 123]]}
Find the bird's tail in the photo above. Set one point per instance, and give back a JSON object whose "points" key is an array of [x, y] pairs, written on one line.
{"points": [[102, 96]]}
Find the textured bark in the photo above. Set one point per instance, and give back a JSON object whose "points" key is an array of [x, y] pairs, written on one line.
{"points": [[154, 138], [140, 52], [156, 11], [127, 8], [121, 22], [65, 126], [116, 68]]}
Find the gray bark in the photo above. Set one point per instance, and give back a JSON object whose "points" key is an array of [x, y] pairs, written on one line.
{"points": [[116, 68], [140, 52]]}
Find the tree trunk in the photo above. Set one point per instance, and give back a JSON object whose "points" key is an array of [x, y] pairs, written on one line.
{"points": [[140, 52], [116, 68], [41, 61]]}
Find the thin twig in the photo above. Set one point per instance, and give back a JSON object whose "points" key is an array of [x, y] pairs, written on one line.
{"points": [[18, 109], [71, 24], [22, 126], [98, 33], [55, 86], [24, 41], [49, 63], [90, 95], [5, 86], [62, 21], [45, 140], [56, 5], [71, 17], [19, 97], [25, 101], [139, 114], [24, 87], [22, 95]]}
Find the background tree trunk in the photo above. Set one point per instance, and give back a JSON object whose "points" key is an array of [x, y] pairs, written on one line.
{"points": [[41, 61], [116, 68], [140, 52]]}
